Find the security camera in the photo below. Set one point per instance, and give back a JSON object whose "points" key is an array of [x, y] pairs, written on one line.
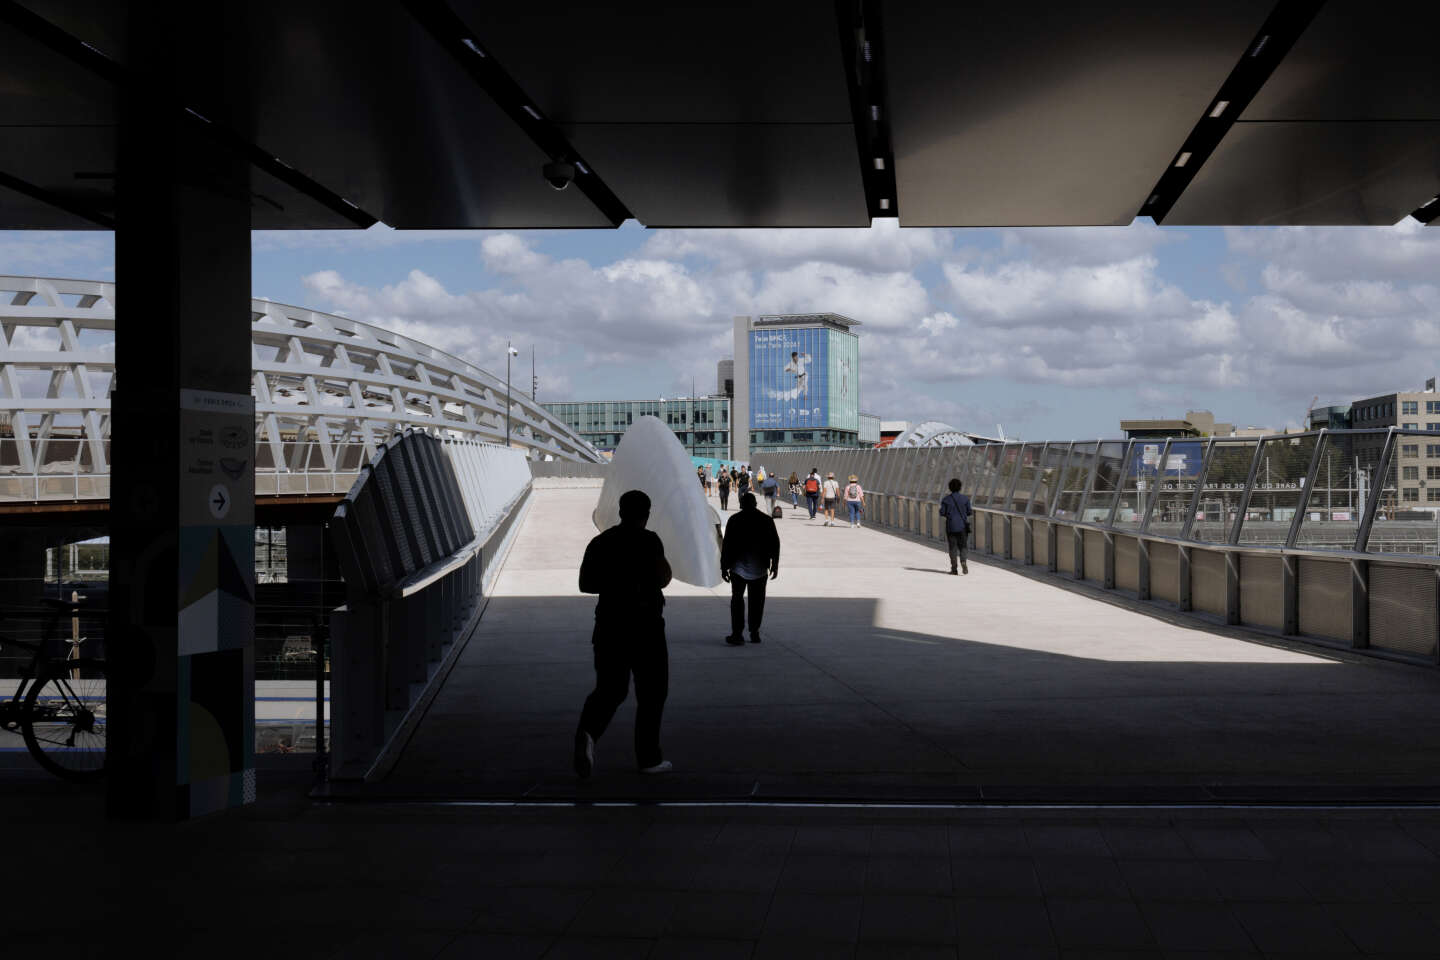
{"points": [[558, 174]]}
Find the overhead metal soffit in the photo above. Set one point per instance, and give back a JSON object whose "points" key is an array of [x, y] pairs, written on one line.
{"points": [[452, 113]]}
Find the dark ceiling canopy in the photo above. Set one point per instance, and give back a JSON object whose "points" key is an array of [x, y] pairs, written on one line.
{"points": [[442, 113]]}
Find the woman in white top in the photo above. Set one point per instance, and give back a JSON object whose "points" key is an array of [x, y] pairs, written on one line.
{"points": [[830, 490]]}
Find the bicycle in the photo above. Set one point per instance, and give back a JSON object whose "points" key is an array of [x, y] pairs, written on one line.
{"points": [[59, 707]]}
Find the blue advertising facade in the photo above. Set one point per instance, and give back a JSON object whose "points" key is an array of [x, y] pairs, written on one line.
{"points": [[789, 378]]}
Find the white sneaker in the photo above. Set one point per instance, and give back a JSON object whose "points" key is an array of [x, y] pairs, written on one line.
{"points": [[664, 766], [584, 754]]}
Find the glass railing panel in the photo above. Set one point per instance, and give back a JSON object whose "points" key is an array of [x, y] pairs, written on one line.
{"points": [[969, 457], [1075, 481], [1029, 462], [9, 455], [1051, 464], [1224, 490], [1337, 500], [57, 455], [1279, 484], [985, 470], [1109, 468], [1137, 483], [1407, 519], [1173, 487], [1005, 478]]}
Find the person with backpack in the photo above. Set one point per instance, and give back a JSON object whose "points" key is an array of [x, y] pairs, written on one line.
{"points": [[955, 508], [854, 500], [749, 550], [794, 484], [812, 492], [722, 483], [771, 488], [831, 491], [742, 481]]}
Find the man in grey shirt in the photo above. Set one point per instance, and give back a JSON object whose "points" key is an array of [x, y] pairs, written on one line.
{"points": [[750, 550]]}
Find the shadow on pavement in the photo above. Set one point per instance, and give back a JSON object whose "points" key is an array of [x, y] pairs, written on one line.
{"points": [[833, 707]]}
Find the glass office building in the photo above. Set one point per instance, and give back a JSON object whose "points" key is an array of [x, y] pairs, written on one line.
{"points": [[802, 383], [702, 424]]}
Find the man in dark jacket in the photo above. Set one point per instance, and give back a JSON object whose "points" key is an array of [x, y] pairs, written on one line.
{"points": [[750, 550], [626, 566], [956, 510]]}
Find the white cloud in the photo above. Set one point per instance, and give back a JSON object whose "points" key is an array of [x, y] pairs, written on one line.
{"points": [[72, 254], [883, 247], [378, 237]]}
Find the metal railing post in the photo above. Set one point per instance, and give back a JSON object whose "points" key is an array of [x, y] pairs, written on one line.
{"points": [[1302, 504], [1198, 492], [1233, 537]]}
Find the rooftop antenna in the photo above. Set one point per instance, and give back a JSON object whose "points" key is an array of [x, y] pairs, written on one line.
{"points": [[534, 380]]}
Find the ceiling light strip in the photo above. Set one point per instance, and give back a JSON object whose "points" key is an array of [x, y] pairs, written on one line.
{"points": [[862, 49], [1264, 52]]}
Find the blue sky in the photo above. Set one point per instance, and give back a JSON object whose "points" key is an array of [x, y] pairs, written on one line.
{"points": [[1056, 332]]}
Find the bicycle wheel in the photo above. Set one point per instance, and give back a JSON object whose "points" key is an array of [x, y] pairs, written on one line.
{"points": [[64, 719]]}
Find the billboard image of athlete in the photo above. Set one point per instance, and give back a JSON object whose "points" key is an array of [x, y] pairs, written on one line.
{"points": [[798, 363]]}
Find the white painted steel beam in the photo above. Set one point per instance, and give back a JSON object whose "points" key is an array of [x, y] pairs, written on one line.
{"points": [[328, 391]]}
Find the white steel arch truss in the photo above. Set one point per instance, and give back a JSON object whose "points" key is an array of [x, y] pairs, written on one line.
{"points": [[932, 433], [328, 391]]}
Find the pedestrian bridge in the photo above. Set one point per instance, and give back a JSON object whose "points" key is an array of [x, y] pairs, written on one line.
{"points": [[881, 677]]}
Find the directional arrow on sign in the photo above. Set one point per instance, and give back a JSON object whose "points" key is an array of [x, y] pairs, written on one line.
{"points": [[219, 501]]}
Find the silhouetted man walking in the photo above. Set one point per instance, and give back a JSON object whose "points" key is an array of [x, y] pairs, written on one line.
{"points": [[750, 550], [626, 566], [956, 510]]}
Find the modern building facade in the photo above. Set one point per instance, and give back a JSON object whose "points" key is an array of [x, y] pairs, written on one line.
{"points": [[869, 429], [1415, 468], [702, 424], [797, 383], [1195, 423]]}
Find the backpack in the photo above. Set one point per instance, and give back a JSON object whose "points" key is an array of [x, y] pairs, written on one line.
{"points": [[852, 492], [777, 513], [812, 485]]}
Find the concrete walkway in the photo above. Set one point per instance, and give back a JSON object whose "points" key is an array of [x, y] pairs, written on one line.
{"points": [[882, 677]]}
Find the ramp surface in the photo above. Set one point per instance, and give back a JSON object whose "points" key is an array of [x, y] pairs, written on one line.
{"points": [[882, 677]]}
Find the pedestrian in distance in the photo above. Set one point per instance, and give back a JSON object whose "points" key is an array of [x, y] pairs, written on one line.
{"points": [[722, 484], [749, 550], [854, 500], [771, 488], [742, 481], [626, 566], [831, 491], [704, 482], [812, 492], [794, 490], [955, 508]]}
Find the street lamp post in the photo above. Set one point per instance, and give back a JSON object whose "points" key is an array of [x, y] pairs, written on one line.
{"points": [[509, 353]]}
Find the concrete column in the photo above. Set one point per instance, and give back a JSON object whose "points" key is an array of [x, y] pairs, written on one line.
{"points": [[182, 583], [740, 405]]}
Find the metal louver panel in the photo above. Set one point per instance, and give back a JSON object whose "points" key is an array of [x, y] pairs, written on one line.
{"points": [[1207, 581], [1262, 598], [1065, 549], [1127, 563], [1325, 598], [1165, 572], [1041, 530], [1095, 556], [1403, 614]]}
